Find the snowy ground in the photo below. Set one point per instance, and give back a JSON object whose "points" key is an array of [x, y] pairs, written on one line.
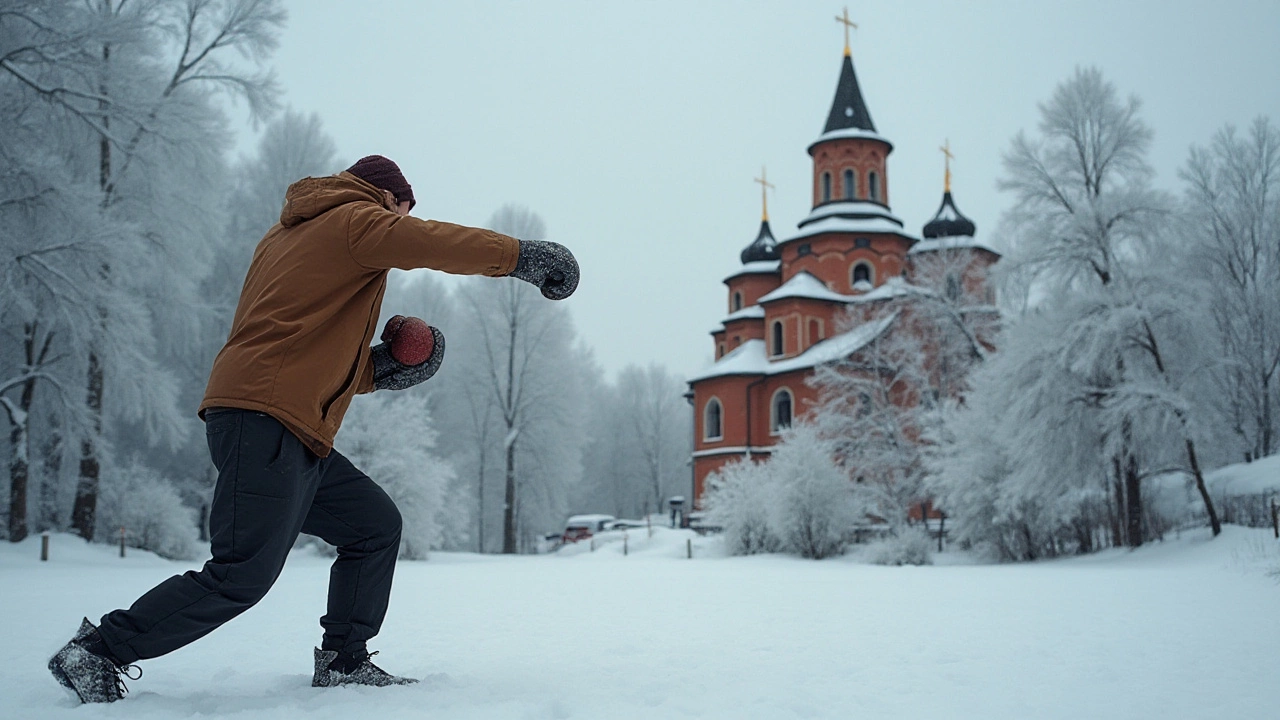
{"points": [[1183, 629]]}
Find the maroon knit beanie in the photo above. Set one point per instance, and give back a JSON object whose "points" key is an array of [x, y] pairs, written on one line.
{"points": [[384, 174]]}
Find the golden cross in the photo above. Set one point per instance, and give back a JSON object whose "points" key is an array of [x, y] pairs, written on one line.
{"points": [[946, 150], [764, 189], [847, 24]]}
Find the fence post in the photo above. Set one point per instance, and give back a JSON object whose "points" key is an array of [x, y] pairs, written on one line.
{"points": [[44, 546], [688, 546], [624, 544], [593, 543], [1275, 518], [122, 541], [648, 519]]}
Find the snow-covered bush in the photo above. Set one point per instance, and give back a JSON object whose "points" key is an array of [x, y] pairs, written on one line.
{"points": [[391, 439], [137, 498], [739, 498], [815, 505], [910, 546], [798, 502]]}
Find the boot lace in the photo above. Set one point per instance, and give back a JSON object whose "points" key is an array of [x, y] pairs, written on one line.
{"points": [[122, 672]]}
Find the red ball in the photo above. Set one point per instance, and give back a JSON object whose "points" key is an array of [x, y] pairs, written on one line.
{"points": [[411, 341]]}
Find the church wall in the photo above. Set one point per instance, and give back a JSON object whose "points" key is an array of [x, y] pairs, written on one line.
{"points": [[831, 256], [753, 287]]}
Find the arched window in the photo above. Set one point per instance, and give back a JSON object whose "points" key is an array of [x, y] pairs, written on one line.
{"points": [[953, 287], [780, 410], [775, 347], [815, 331], [862, 273], [873, 183], [850, 185], [737, 301], [711, 426], [826, 187], [720, 350]]}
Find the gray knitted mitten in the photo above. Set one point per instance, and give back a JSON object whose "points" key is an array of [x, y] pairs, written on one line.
{"points": [[548, 265], [389, 374]]}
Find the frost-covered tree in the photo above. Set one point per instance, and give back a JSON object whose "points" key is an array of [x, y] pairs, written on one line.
{"points": [[1085, 224], [657, 427], [392, 439], [873, 408], [520, 355], [1231, 221]]}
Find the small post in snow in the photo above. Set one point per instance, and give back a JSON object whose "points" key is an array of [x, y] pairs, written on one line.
{"points": [[122, 541], [688, 545], [1275, 518], [624, 544], [44, 546], [593, 543], [648, 520]]}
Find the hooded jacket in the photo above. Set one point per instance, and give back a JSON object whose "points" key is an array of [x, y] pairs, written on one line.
{"points": [[299, 343]]}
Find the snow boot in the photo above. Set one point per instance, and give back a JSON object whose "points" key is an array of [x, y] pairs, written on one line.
{"points": [[86, 667], [333, 669]]}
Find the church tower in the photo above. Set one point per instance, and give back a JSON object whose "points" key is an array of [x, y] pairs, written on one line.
{"points": [[784, 301]]}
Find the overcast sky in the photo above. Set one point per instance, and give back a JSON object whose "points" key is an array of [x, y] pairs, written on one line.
{"points": [[635, 129]]}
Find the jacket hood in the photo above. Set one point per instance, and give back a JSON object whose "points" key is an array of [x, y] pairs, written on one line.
{"points": [[312, 197]]}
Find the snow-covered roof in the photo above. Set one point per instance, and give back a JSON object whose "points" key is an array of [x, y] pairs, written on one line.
{"points": [[853, 209], [749, 312], [853, 132], [759, 267], [804, 285], [958, 242], [1255, 478], [847, 225], [894, 287], [749, 358]]}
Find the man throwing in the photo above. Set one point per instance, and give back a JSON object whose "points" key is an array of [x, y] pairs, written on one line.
{"points": [[298, 351]]}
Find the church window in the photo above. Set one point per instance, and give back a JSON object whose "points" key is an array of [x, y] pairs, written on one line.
{"points": [[862, 273], [775, 347], [711, 421], [864, 404], [873, 185], [780, 411], [850, 185], [815, 331], [803, 250], [737, 301], [862, 243], [720, 350], [953, 287], [826, 187]]}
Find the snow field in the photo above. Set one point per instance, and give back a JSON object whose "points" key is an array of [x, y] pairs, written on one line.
{"points": [[1183, 629]]}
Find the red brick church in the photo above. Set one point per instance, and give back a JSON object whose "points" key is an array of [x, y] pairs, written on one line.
{"points": [[785, 298]]}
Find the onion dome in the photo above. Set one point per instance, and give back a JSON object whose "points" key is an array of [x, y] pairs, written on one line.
{"points": [[764, 247], [949, 222]]}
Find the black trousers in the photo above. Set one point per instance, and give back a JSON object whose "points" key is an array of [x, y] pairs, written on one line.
{"points": [[271, 487]]}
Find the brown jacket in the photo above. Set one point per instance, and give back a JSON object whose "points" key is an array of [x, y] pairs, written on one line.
{"points": [[299, 343]]}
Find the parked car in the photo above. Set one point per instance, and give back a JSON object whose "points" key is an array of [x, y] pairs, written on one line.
{"points": [[626, 525], [582, 527]]}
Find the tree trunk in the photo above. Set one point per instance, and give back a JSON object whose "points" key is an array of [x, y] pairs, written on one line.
{"points": [[1204, 491], [84, 513], [1133, 501], [51, 454], [509, 512], [19, 472]]}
